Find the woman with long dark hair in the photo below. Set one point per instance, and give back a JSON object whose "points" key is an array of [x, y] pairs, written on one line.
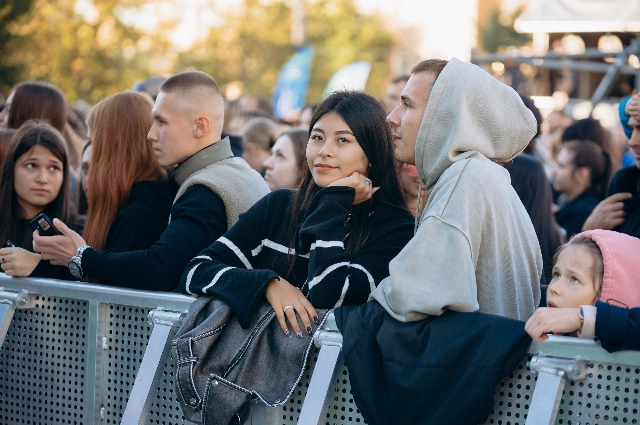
{"points": [[328, 243], [35, 179]]}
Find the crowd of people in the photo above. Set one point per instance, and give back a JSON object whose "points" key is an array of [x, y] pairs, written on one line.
{"points": [[450, 194]]}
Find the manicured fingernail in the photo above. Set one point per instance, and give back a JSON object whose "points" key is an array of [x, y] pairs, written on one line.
{"points": [[299, 333], [309, 330], [286, 332], [315, 319]]}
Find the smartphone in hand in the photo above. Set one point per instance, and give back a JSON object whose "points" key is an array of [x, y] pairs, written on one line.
{"points": [[44, 225]]}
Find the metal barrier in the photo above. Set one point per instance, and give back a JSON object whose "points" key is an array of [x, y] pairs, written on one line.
{"points": [[75, 353]]}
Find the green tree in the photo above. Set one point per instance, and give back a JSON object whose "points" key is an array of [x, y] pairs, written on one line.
{"points": [[88, 57], [254, 43], [10, 12], [499, 33]]}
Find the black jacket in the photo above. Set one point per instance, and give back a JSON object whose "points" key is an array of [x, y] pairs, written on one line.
{"points": [[440, 370], [628, 180], [197, 218], [617, 328], [238, 267], [144, 217], [573, 214]]}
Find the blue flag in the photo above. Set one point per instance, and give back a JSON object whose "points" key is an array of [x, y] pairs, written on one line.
{"points": [[290, 93]]}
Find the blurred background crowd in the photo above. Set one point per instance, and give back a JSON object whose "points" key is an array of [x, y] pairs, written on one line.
{"points": [[92, 69]]}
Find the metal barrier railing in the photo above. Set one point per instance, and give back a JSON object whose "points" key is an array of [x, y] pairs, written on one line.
{"points": [[76, 353]]}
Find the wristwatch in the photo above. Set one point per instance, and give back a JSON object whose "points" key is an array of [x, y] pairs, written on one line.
{"points": [[581, 313], [75, 264]]}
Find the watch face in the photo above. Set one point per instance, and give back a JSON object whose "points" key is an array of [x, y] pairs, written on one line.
{"points": [[75, 270]]}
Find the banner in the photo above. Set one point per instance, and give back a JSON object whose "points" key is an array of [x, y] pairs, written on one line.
{"points": [[290, 93], [351, 77]]}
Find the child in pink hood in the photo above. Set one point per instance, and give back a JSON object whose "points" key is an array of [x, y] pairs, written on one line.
{"points": [[597, 265]]}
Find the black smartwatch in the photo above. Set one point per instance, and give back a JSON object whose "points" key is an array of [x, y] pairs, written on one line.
{"points": [[75, 264]]}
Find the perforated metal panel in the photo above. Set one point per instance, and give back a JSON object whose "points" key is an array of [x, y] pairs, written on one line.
{"points": [[43, 364], [342, 409], [610, 395], [127, 335]]}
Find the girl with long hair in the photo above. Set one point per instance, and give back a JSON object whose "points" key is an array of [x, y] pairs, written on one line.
{"points": [[328, 243], [128, 194], [35, 179], [581, 176]]}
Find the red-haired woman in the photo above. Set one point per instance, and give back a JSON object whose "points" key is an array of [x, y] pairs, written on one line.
{"points": [[128, 194]]}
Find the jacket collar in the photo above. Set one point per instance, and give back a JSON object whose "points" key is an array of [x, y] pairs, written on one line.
{"points": [[199, 160]]}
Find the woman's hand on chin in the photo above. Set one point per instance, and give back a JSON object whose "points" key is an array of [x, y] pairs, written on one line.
{"points": [[363, 186], [18, 261], [552, 320], [287, 301], [58, 249]]}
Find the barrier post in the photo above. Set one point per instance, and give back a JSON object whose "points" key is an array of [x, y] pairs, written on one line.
{"points": [[552, 375], [9, 302], [316, 402], [165, 325]]}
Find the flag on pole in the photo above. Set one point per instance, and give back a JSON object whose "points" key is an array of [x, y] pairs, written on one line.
{"points": [[290, 93], [351, 77]]}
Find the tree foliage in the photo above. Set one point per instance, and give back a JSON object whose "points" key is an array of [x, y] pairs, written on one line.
{"points": [[10, 12], [88, 58], [499, 33], [255, 42]]}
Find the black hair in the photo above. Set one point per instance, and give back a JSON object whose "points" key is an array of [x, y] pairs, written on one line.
{"points": [[367, 120]]}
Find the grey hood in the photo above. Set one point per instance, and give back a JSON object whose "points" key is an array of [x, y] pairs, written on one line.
{"points": [[470, 114]]}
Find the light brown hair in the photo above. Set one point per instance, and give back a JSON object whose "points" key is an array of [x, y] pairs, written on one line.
{"points": [[121, 156], [189, 80], [433, 66]]}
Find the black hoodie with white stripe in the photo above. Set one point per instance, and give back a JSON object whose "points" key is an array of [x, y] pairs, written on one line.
{"points": [[239, 266]]}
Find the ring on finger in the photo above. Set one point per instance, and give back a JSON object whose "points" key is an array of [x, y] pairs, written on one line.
{"points": [[285, 309], [368, 180], [4, 259]]}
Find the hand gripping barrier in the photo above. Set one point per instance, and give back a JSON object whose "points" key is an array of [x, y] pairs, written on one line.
{"points": [[75, 353]]}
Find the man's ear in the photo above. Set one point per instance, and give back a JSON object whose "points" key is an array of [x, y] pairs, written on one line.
{"points": [[202, 126], [583, 174]]}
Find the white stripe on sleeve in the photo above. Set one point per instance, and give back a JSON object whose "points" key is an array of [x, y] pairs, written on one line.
{"points": [[215, 278], [372, 283], [328, 270], [345, 288], [327, 244], [236, 251]]}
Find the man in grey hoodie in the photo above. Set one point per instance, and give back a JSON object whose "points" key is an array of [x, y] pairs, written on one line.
{"points": [[475, 248]]}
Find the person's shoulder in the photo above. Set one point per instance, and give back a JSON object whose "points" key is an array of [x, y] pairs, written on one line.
{"points": [[627, 173], [624, 180], [156, 193]]}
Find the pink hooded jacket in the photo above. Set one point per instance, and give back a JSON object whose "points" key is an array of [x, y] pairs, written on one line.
{"points": [[621, 259]]}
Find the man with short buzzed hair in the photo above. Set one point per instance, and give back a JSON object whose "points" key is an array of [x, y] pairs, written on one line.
{"points": [[215, 188], [475, 248]]}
